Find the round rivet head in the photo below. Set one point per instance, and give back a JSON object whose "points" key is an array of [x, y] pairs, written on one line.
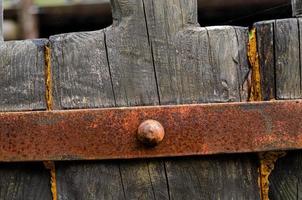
{"points": [[150, 133]]}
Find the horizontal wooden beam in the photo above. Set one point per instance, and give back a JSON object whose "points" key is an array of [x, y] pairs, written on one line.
{"points": [[189, 130]]}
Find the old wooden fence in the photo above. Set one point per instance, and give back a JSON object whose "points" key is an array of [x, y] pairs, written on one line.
{"points": [[155, 53]]}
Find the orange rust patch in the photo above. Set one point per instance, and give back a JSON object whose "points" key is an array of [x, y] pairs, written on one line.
{"points": [[51, 166], [267, 165], [267, 159], [255, 88], [48, 80]]}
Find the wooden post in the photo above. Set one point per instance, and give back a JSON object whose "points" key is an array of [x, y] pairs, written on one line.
{"points": [[28, 20], [297, 8], [1, 21]]}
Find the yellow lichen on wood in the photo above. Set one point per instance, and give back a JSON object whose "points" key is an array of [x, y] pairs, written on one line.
{"points": [[48, 82], [267, 159], [267, 165], [255, 86], [50, 165]]}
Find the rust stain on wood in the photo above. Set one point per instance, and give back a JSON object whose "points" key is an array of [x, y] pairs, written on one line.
{"points": [[96, 134], [48, 78], [267, 159], [52, 168], [267, 165], [50, 165], [255, 89]]}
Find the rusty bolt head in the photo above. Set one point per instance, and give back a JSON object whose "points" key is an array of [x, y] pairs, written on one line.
{"points": [[150, 132]]}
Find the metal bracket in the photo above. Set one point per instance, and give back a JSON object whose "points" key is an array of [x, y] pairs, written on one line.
{"points": [[188, 130]]}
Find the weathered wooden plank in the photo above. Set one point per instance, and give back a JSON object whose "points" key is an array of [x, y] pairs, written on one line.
{"points": [[81, 75], [131, 63], [80, 62], [287, 52], [24, 181], [220, 177], [195, 65], [285, 179], [129, 55], [297, 8], [93, 180], [266, 52], [22, 88], [81, 79], [22, 70]]}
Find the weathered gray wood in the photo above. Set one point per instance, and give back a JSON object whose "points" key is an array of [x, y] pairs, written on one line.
{"points": [[265, 44], [288, 81], [285, 179], [23, 79], [22, 87], [93, 180], [192, 64], [24, 181], [297, 8], [81, 79], [221, 177], [195, 65], [81, 74]]}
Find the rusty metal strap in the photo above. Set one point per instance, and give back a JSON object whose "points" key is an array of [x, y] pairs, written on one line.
{"points": [[189, 130]]}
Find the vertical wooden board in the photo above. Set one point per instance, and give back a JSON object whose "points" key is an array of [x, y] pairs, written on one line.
{"points": [[24, 181], [22, 70], [129, 55], [93, 180], [288, 78], [224, 57], [189, 179], [134, 83], [81, 79], [266, 51], [81, 75], [195, 65], [144, 179], [297, 8], [244, 68], [22, 88], [285, 180], [130, 65], [215, 177]]}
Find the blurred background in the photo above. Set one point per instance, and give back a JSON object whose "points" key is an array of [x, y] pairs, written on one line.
{"points": [[25, 19]]}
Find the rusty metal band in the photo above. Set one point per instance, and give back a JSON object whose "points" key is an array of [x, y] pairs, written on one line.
{"points": [[190, 130]]}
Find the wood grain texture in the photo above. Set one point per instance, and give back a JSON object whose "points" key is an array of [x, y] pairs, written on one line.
{"points": [[287, 52], [216, 177], [195, 65], [82, 65], [81, 75], [22, 88], [22, 70], [81, 79], [156, 53], [266, 51], [24, 181], [285, 179], [297, 8]]}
